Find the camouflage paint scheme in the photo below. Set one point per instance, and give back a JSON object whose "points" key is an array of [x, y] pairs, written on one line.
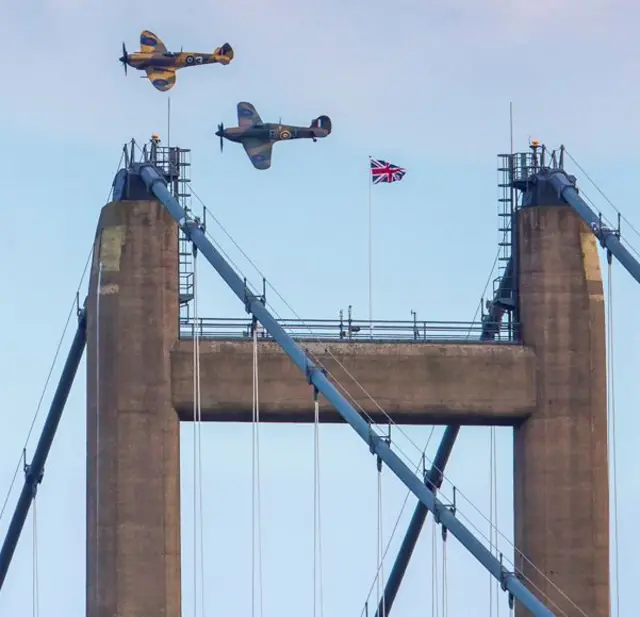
{"points": [[258, 137], [161, 65]]}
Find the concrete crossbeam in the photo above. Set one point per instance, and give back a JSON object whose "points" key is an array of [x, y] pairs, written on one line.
{"points": [[415, 384]]}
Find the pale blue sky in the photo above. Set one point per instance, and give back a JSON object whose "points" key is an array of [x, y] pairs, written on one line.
{"points": [[424, 85]]}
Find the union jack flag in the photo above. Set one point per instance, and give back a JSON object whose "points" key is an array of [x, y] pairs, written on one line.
{"points": [[382, 171]]}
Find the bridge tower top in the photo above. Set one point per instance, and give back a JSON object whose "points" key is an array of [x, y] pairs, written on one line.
{"points": [[173, 163]]}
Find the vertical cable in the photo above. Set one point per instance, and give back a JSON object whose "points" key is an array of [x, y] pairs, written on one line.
{"points": [[445, 606], [195, 436], [491, 534], [380, 541], [97, 447], [435, 605], [318, 586], [35, 590], [612, 433], [256, 505], [199, 453]]}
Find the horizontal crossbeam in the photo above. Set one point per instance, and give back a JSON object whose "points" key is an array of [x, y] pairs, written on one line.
{"points": [[468, 384]]}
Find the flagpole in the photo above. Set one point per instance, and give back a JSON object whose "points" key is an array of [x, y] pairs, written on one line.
{"points": [[370, 254]]}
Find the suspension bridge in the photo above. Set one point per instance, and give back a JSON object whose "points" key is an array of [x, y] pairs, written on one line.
{"points": [[536, 361]]}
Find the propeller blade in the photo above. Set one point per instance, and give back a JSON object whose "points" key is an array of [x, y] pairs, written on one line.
{"points": [[125, 57], [221, 133]]}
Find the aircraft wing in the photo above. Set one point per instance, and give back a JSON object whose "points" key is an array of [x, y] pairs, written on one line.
{"points": [[247, 115], [162, 79], [259, 152], [149, 43]]}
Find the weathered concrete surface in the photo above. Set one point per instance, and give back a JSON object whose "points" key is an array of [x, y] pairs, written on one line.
{"points": [[561, 479], [133, 493], [414, 384]]}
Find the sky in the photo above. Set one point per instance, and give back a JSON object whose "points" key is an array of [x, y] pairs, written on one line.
{"points": [[425, 85]]}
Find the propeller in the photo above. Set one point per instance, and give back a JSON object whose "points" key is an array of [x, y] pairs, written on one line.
{"points": [[220, 133], [124, 58]]}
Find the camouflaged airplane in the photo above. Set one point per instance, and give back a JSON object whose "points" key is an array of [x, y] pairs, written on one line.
{"points": [[258, 137], [161, 65]]}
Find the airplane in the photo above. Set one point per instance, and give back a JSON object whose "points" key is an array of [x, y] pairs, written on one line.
{"points": [[161, 65], [258, 137]]}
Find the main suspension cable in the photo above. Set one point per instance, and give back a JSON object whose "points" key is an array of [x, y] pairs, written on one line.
{"points": [[53, 363], [72, 309]]}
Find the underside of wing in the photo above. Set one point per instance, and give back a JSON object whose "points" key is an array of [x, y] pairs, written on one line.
{"points": [[162, 79], [247, 115], [259, 152], [150, 43]]}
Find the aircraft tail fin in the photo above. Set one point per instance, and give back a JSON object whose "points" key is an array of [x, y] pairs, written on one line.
{"points": [[224, 54], [322, 124]]}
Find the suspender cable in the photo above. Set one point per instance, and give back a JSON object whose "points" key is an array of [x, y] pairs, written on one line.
{"points": [[445, 607], [612, 429], [318, 595], [380, 541], [256, 509], [198, 518], [195, 437], [435, 605], [36, 586], [493, 519], [96, 586]]}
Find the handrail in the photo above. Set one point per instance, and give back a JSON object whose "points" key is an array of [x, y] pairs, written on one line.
{"points": [[347, 330]]}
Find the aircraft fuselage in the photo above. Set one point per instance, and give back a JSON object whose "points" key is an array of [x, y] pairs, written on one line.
{"points": [[183, 59], [268, 132]]}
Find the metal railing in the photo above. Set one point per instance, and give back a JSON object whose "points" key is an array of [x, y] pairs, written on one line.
{"points": [[360, 331]]}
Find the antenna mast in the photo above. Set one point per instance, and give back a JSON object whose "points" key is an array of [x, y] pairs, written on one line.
{"points": [[169, 122], [511, 127]]}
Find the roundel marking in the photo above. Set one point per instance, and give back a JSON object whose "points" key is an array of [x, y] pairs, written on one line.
{"points": [[189, 60], [285, 134]]}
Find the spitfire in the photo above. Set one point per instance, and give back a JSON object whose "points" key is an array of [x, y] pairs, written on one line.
{"points": [[161, 65], [258, 137]]}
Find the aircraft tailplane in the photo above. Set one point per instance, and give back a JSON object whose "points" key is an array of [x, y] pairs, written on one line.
{"points": [[323, 123], [225, 50]]}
